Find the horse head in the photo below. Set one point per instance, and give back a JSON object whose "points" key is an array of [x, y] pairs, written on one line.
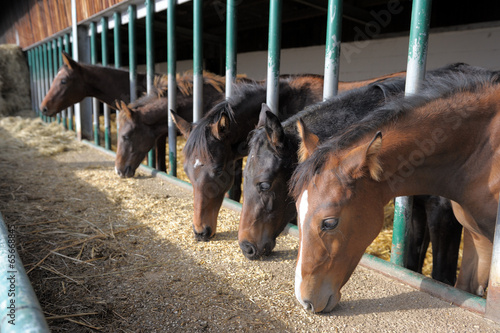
{"points": [[209, 164], [138, 129], [267, 207], [337, 219], [67, 88]]}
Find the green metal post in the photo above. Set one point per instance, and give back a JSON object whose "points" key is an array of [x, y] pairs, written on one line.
{"points": [[417, 55], [231, 32], [45, 74], [117, 49], [49, 71], [30, 66], [55, 61], [39, 78], [172, 87], [62, 118], [104, 47], [132, 60], [93, 61], [197, 60], [332, 50], [67, 49], [273, 55], [150, 61]]}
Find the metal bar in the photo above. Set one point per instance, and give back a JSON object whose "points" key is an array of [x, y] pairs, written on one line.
{"points": [[104, 47], [20, 310], [60, 61], [30, 67], [273, 55], [493, 298], [74, 55], [231, 33], [117, 51], [93, 61], [55, 67], [45, 73], [172, 87], [49, 70], [70, 109], [415, 72], [332, 49], [40, 78], [132, 60], [150, 62], [197, 60]]}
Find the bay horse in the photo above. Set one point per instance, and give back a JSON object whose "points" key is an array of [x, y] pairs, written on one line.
{"points": [[144, 121], [442, 142], [75, 81], [216, 144]]}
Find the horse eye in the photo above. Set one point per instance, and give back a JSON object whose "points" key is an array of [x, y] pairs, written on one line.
{"points": [[63, 81], [329, 223], [126, 137], [264, 186], [218, 171]]}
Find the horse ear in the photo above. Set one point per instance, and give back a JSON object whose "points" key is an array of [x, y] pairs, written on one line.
{"points": [[274, 131], [365, 157], [220, 129], [184, 126], [70, 63], [309, 141], [262, 116], [122, 106]]}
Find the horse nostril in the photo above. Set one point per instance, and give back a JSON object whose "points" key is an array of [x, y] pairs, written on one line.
{"points": [[309, 306], [44, 110], [205, 235], [249, 250]]}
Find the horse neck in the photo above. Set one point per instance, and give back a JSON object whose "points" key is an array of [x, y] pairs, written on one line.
{"points": [[106, 84], [438, 152]]}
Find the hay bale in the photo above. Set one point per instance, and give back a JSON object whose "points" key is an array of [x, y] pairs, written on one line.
{"points": [[14, 80]]}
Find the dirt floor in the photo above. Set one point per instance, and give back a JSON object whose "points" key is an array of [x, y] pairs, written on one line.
{"points": [[117, 255]]}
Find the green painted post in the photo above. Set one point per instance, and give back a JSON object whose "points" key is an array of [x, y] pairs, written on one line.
{"points": [[150, 61], [45, 74], [55, 61], [38, 88], [49, 72], [117, 50], [415, 72], [63, 112], [30, 67], [132, 60], [231, 33], [197, 60], [273, 55], [332, 50], [172, 86], [93, 61], [67, 49], [104, 49]]}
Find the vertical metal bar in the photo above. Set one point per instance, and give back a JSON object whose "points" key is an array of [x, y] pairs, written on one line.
{"points": [[332, 49], [49, 70], [172, 86], [70, 109], [150, 61], [45, 74], [39, 78], [493, 299], [197, 60], [74, 55], [231, 32], [273, 55], [62, 118], [415, 72], [30, 67], [117, 50], [104, 47], [93, 61], [55, 61], [132, 60]]}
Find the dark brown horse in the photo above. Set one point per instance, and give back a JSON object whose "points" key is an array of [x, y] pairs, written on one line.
{"points": [[442, 142], [75, 81], [217, 143], [273, 155], [146, 120]]}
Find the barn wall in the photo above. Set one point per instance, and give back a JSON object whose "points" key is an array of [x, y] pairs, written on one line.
{"points": [[373, 58]]}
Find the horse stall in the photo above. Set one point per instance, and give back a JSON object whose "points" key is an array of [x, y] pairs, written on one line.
{"points": [[110, 253]]}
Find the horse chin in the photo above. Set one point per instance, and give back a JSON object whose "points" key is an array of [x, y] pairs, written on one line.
{"points": [[332, 303]]}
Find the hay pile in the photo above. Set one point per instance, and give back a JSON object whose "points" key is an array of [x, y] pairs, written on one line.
{"points": [[14, 80]]}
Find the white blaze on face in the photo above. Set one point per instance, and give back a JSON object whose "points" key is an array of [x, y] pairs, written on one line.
{"points": [[303, 207], [197, 163]]}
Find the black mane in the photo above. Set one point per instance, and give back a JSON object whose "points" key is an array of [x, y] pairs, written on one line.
{"points": [[440, 83]]}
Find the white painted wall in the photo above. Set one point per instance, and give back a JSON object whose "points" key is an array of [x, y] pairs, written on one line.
{"points": [[362, 60], [376, 57]]}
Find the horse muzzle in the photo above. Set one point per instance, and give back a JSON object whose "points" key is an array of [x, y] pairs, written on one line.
{"points": [[128, 172], [204, 236], [253, 252]]}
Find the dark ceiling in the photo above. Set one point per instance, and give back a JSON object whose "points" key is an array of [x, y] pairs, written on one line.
{"points": [[303, 24]]}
